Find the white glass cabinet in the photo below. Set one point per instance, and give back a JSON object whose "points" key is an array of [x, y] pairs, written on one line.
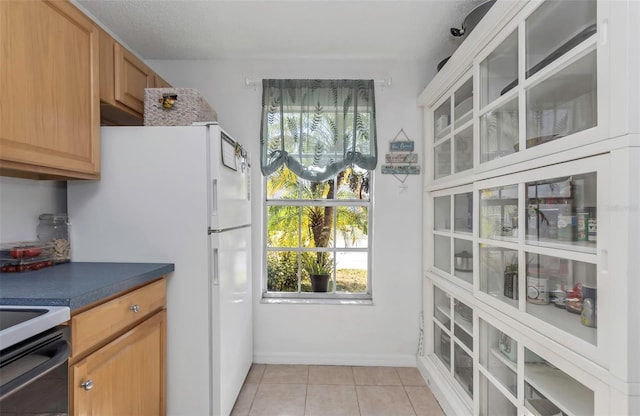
{"points": [[530, 215]]}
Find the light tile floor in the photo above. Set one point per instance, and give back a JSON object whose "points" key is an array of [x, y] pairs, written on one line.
{"points": [[316, 390]]}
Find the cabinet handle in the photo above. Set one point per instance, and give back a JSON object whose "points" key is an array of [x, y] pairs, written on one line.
{"points": [[87, 385], [135, 308]]}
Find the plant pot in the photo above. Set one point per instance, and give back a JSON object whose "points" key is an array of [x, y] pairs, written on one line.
{"points": [[319, 282]]}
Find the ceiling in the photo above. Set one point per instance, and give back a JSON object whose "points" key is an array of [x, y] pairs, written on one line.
{"points": [[223, 29]]}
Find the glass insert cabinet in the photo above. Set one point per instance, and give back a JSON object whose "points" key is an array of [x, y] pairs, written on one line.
{"points": [[537, 249], [535, 83], [530, 213]]}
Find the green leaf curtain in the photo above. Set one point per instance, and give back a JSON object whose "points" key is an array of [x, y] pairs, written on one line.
{"points": [[317, 127]]}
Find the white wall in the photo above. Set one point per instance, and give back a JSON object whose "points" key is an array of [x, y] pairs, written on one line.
{"points": [[22, 201], [385, 333]]}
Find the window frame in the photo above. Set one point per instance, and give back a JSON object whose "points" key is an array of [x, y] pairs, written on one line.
{"points": [[332, 295]]}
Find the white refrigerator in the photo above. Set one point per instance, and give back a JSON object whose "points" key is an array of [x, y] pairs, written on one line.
{"points": [[179, 195]]}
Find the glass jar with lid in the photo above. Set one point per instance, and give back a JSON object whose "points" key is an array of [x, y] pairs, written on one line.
{"points": [[54, 229]]}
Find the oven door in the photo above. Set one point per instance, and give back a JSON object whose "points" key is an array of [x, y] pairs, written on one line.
{"points": [[34, 375]]}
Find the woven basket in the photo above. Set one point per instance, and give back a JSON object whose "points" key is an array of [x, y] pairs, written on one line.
{"points": [[188, 107]]}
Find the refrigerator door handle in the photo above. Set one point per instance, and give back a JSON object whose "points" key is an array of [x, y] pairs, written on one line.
{"points": [[214, 197], [216, 274]]}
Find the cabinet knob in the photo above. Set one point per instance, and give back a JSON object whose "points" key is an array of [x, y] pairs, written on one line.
{"points": [[135, 308], [87, 385]]}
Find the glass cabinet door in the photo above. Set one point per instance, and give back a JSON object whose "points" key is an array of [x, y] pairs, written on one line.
{"points": [[499, 70], [499, 213], [442, 120], [442, 140], [545, 265], [548, 390], [499, 273], [463, 129], [442, 325], [452, 234], [562, 212], [499, 357], [453, 132], [453, 339], [565, 102]]}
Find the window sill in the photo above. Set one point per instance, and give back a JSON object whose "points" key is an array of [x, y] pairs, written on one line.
{"points": [[316, 301]]}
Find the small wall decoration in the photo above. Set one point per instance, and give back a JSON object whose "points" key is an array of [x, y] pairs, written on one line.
{"points": [[401, 161]]}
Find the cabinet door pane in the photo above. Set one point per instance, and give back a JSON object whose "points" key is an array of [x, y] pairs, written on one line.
{"points": [[563, 104], [499, 132], [463, 102], [463, 212], [548, 387], [499, 212], [563, 293], [499, 356], [442, 253], [499, 273], [442, 345], [463, 259], [499, 71], [442, 213], [561, 212], [442, 307], [555, 28], [442, 120], [442, 155], [492, 402], [463, 150], [463, 327], [463, 370]]}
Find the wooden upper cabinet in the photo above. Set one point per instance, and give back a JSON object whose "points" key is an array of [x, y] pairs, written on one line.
{"points": [[160, 83], [123, 78], [49, 119], [132, 76]]}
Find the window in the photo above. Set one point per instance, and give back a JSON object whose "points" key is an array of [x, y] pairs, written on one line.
{"points": [[313, 224], [318, 153]]}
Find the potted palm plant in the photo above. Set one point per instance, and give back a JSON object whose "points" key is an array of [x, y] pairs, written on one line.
{"points": [[319, 267]]}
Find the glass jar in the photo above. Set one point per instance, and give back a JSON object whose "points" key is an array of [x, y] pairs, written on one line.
{"points": [[54, 229]]}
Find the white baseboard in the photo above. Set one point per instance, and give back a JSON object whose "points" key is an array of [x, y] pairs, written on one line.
{"points": [[392, 360], [447, 397]]}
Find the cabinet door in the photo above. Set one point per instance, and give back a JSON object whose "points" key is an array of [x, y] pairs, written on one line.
{"points": [[126, 376], [538, 239], [452, 239], [132, 76], [158, 82], [49, 120], [107, 68]]}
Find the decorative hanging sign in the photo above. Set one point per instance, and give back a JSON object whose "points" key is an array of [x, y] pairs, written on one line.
{"points": [[401, 161], [401, 157]]}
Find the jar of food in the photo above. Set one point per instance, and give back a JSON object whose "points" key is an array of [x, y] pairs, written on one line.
{"points": [[54, 229]]}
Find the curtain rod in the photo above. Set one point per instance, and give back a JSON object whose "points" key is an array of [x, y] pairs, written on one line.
{"points": [[255, 82]]}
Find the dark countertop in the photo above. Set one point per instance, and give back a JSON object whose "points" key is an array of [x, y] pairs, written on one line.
{"points": [[76, 284]]}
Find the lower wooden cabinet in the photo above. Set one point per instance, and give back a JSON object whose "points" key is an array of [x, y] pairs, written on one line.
{"points": [[125, 377], [124, 374]]}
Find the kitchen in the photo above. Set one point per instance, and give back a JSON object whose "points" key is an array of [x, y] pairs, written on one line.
{"points": [[386, 333]]}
